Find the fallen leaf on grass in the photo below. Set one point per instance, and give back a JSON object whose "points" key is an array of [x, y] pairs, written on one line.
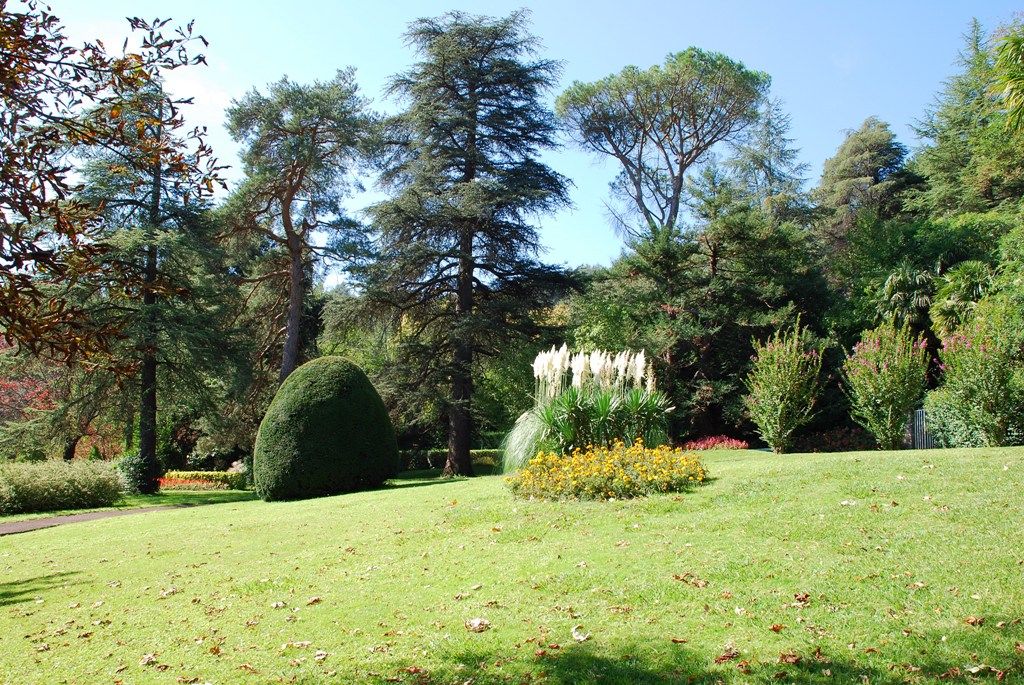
{"points": [[777, 628], [974, 620], [300, 644], [277, 605], [477, 625], [729, 654], [248, 668], [690, 579], [313, 600], [320, 655], [147, 660], [789, 658], [679, 640], [803, 599], [744, 667]]}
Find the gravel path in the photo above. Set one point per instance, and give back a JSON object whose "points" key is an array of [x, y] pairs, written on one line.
{"points": [[49, 522]]}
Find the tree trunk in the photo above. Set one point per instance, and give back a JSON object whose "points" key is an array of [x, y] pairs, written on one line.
{"points": [[70, 446], [460, 427], [296, 292], [147, 401]]}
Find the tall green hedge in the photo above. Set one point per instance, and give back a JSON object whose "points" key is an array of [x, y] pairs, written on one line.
{"points": [[326, 432]]}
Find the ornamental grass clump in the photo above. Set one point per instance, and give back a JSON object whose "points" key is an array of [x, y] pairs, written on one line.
{"points": [[618, 471], [782, 386], [885, 381], [588, 399]]}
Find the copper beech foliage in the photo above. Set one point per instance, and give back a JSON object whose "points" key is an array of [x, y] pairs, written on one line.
{"points": [[56, 97]]}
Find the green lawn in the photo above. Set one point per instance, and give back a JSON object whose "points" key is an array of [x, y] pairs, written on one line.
{"points": [[870, 567], [167, 498]]}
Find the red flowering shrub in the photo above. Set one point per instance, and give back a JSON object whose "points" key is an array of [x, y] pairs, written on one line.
{"points": [[716, 442]]}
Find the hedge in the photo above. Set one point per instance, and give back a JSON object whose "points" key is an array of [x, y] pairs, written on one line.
{"points": [[227, 479], [56, 485], [326, 432]]}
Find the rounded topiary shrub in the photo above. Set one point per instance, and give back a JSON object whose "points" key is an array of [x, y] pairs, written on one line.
{"points": [[326, 432]]}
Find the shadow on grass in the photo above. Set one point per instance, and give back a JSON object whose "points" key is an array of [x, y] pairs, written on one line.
{"points": [[635, 663], [190, 498], [18, 591], [421, 477]]}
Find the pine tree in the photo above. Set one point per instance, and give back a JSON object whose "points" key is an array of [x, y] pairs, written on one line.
{"points": [[864, 177], [971, 162], [149, 192], [301, 142], [457, 251]]}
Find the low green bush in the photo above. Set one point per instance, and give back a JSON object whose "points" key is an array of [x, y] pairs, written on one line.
{"points": [[885, 380], [783, 386], [132, 471], [55, 485], [981, 398], [326, 432], [229, 480], [949, 421]]}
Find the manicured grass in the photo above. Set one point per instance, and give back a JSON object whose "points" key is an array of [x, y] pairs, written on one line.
{"points": [[871, 567], [170, 497]]}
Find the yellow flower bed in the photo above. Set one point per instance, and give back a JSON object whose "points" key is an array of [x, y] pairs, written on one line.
{"points": [[616, 472]]}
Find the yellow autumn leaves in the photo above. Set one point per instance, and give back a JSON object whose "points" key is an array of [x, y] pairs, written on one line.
{"points": [[617, 472]]}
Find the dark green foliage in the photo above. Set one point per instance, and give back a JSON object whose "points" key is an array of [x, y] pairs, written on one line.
{"points": [[866, 173], [53, 485], [948, 422], [433, 459], [135, 472], [972, 162], [326, 432]]}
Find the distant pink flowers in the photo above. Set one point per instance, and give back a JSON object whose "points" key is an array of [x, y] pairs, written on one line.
{"points": [[716, 442]]}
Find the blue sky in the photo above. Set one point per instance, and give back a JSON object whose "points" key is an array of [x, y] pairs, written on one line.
{"points": [[833, 64]]}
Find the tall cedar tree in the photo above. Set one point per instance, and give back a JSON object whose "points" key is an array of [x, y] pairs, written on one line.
{"points": [[300, 144], [865, 175], [457, 249], [54, 95], [152, 208]]}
